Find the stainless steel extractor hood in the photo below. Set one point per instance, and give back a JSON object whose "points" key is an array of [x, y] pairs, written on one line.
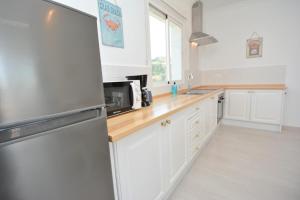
{"points": [[198, 38]]}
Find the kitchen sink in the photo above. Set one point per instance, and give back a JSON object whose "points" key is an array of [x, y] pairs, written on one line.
{"points": [[198, 92]]}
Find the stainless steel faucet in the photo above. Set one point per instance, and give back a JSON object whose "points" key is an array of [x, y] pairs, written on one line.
{"points": [[190, 77]]}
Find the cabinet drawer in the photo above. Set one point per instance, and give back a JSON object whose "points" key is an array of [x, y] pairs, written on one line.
{"points": [[196, 147], [196, 133], [195, 123], [196, 138]]}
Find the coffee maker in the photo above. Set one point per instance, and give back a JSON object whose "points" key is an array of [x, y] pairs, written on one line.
{"points": [[146, 94]]}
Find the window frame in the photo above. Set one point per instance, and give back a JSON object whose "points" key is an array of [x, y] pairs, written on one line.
{"points": [[152, 8]]}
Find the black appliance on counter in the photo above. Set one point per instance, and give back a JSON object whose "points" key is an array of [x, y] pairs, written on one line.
{"points": [[146, 94], [118, 97]]}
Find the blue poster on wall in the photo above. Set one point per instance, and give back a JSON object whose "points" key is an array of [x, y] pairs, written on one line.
{"points": [[111, 24]]}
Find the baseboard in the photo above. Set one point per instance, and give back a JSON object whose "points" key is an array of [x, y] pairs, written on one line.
{"points": [[254, 125], [177, 182], [291, 128]]}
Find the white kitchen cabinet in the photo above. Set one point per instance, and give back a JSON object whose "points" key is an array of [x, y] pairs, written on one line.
{"points": [[202, 125], [262, 109], [176, 142], [206, 109], [215, 112], [266, 106], [150, 163], [139, 162], [196, 132], [212, 113], [152, 160], [237, 104]]}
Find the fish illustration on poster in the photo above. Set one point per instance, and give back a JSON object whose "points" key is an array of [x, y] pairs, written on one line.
{"points": [[111, 24]]}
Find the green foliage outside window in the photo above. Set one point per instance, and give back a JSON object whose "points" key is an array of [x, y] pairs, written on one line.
{"points": [[159, 69]]}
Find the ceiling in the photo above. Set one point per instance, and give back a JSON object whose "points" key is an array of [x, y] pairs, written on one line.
{"points": [[218, 3]]}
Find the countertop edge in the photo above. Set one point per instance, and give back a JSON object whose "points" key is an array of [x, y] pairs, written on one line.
{"points": [[122, 134], [279, 86], [118, 134]]}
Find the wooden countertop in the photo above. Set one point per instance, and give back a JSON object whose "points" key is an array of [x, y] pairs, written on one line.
{"points": [[245, 86], [166, 105], [126, 124]]}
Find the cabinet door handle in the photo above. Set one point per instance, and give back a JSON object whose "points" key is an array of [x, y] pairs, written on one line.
{"points": [[197, 122], [168, 121], [197, 108]]}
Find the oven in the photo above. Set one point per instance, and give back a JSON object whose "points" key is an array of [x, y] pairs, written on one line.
{"points": [[221, 100]]}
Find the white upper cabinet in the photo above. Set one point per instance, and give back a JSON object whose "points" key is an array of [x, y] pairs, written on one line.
{"points": [[237, 104], [266, 106], [140, 165]]}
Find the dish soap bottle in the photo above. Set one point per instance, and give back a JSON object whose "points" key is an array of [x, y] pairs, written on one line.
{"points": [[174, 89]]}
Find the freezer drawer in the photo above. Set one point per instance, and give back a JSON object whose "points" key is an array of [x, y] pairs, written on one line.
{"points": [[69, 163]]}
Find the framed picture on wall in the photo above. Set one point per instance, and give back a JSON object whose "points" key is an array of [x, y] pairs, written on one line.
{"points": [[111, 24], [254, 47]]}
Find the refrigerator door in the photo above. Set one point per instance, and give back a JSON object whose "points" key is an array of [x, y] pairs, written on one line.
{"points": [[69, 163], [49, 61]]}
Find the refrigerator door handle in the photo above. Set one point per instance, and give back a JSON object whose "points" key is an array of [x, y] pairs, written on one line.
{"points": [[39, 126]]}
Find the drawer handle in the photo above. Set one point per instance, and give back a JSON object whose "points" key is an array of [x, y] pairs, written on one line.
{"points": [[197, 108], [197, 122], [196, 136]]}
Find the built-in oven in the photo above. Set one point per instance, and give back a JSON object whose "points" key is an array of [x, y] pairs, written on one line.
{"points": [[221, 100], [121, 97]]}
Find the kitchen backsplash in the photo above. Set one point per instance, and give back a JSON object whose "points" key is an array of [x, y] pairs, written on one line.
{"points": [[118, 73], [244, 75]]}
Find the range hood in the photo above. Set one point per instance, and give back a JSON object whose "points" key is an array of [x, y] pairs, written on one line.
{"points": [[198, 38]]}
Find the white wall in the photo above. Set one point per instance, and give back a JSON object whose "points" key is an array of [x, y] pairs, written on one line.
{"points": [[275, 20], [134, 58], [116, 62]]}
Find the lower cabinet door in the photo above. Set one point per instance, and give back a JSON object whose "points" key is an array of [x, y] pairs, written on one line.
{"points": [[237, 105], [214, 112], [206, 107], [177, 147], [266, 106], [140, 167]]}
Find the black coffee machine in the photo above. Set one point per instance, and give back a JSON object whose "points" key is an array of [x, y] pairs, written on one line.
{"points": [[146, 94]]}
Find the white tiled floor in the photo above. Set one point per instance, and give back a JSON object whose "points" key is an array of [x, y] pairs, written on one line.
{"points": [[245, 164]]}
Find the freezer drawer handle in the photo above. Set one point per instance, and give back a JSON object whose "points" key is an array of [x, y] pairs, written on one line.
{"points": [[19, 131]]}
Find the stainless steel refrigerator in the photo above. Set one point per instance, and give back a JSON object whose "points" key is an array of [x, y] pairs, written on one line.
{"points": [[53, 134]]}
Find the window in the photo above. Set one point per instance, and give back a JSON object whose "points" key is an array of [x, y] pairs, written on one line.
{"points": [[166, 47]]}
